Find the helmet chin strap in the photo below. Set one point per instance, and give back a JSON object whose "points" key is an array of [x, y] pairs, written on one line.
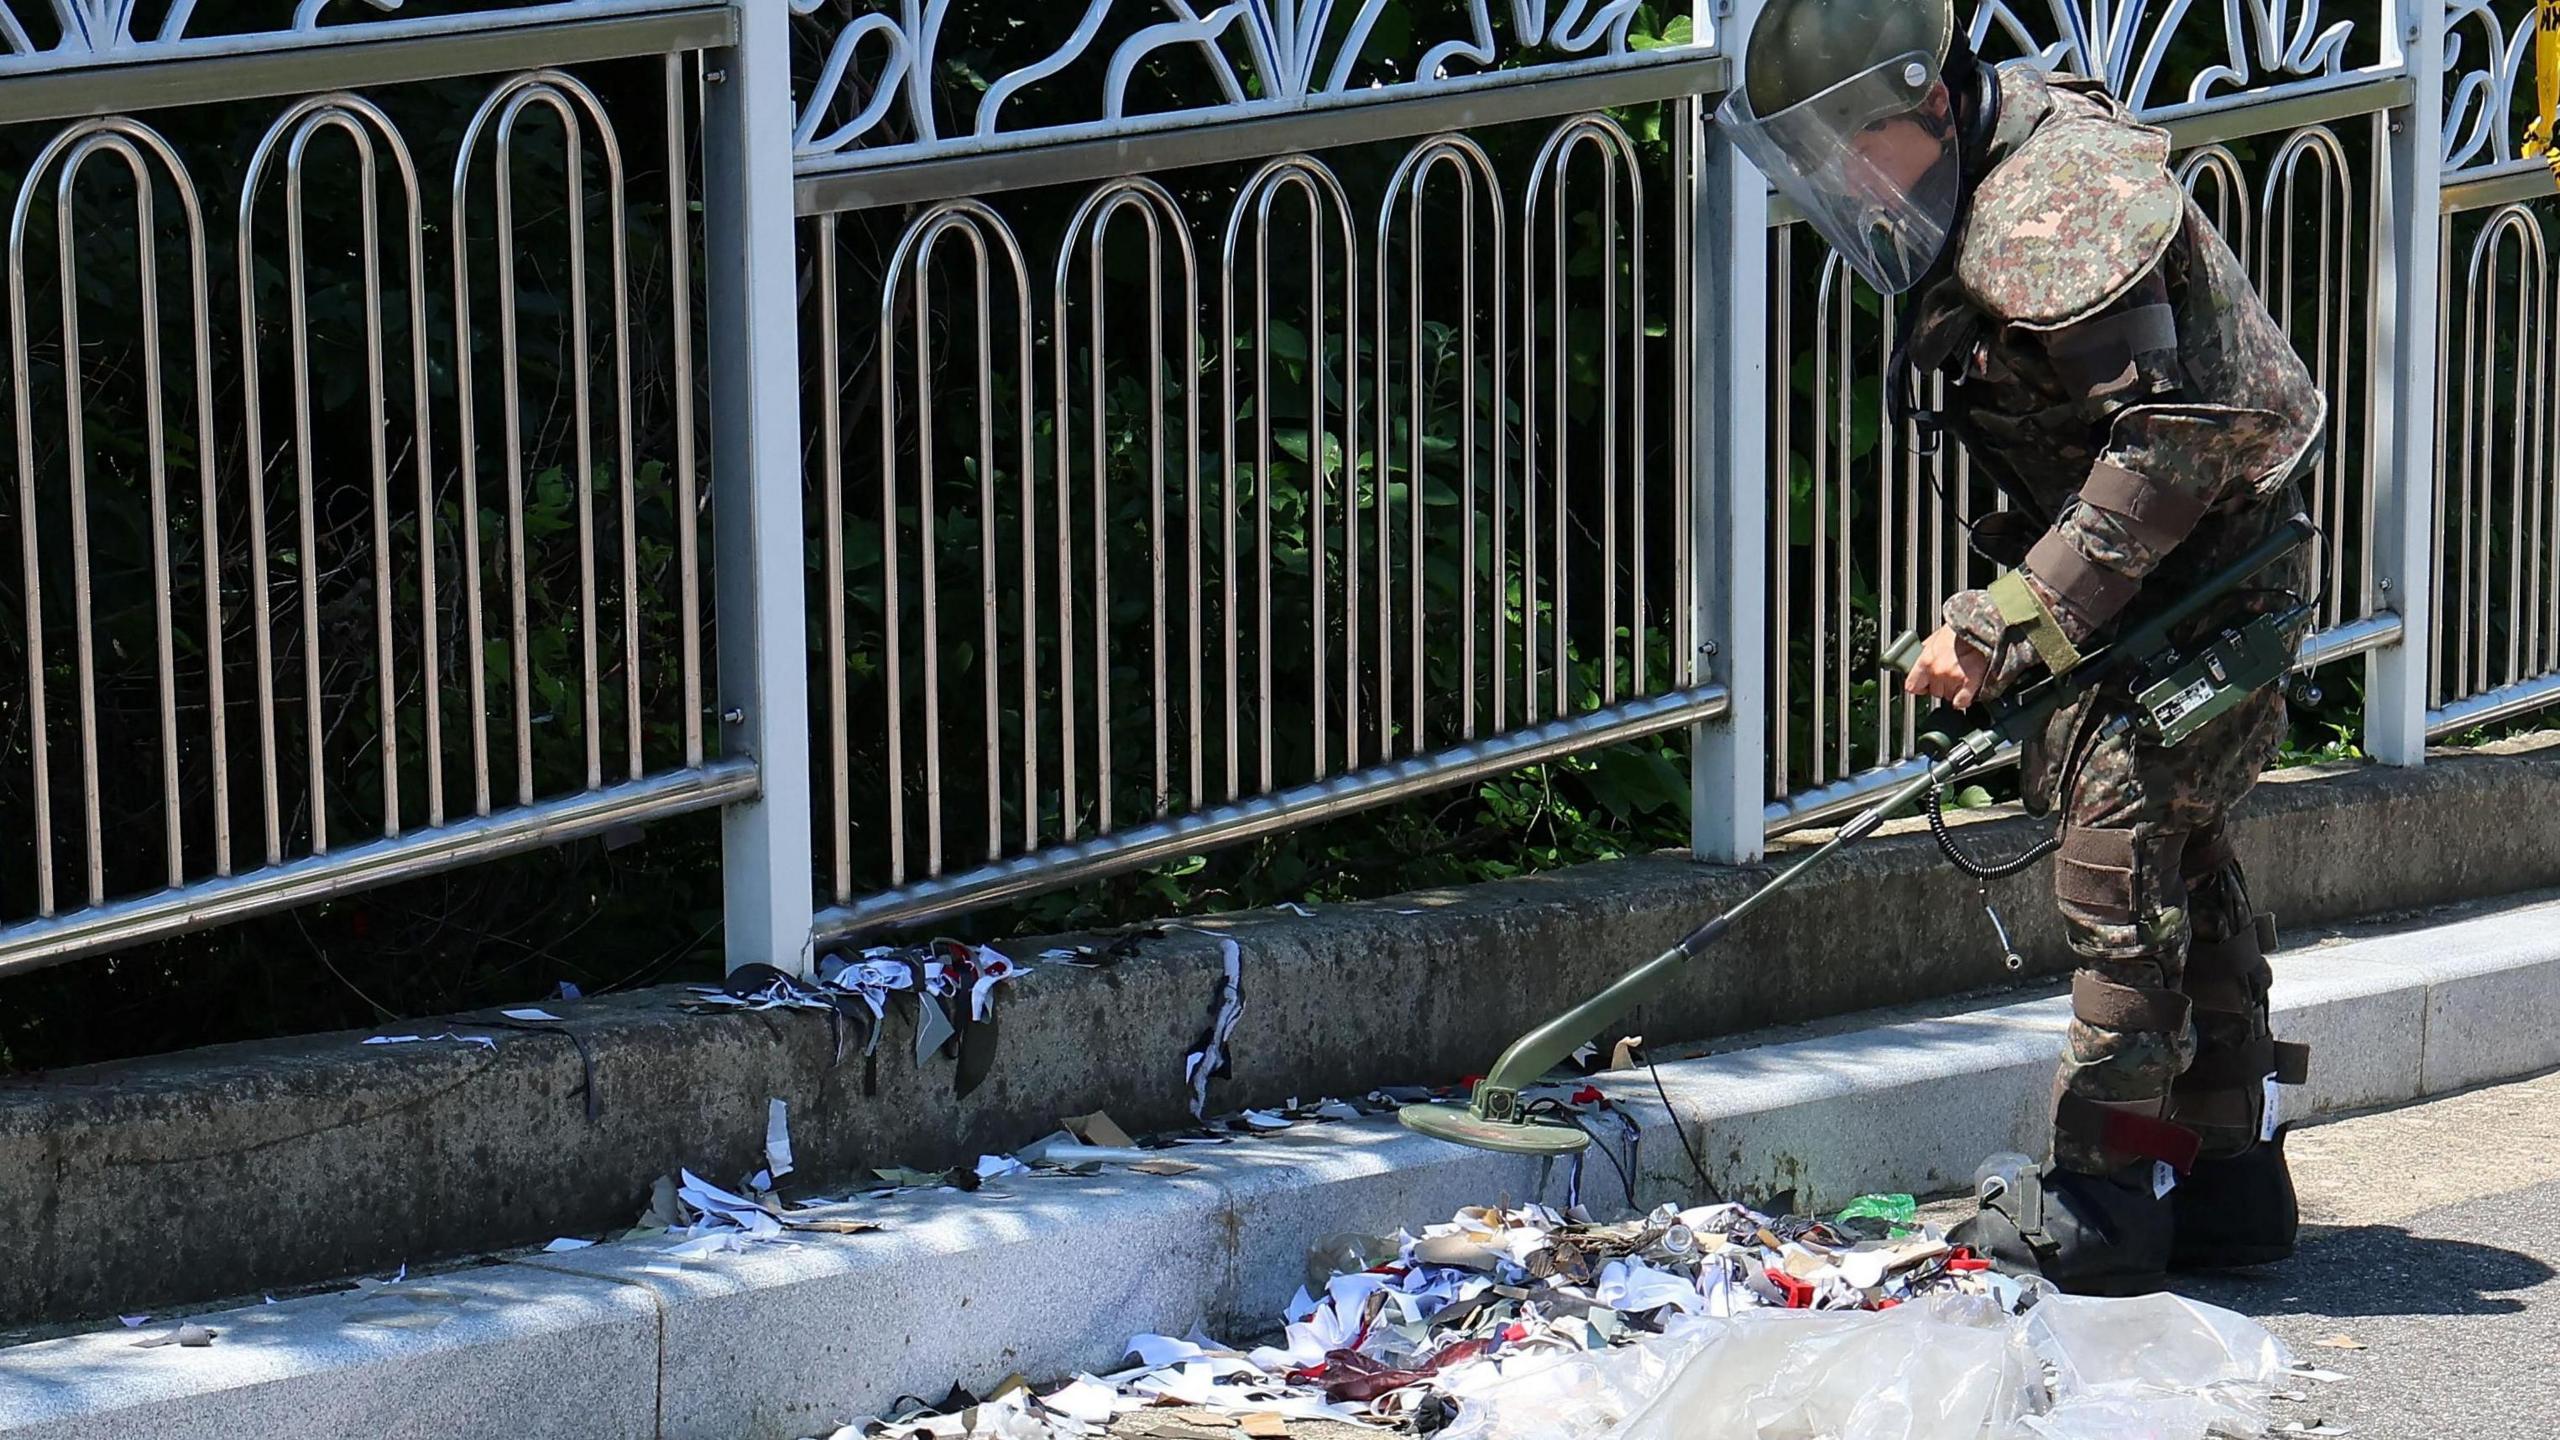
{"points": [[1976, 88]]}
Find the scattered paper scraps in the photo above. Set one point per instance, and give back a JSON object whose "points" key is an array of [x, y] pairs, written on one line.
{"points": [[533, 1014], [2339, 1341], [485, 1042], [777, 1138], [189, 1334], [1443, 1315], [134, 1322], [853, 986], [565, 1244], [1292, 907], [832, 1225], [1098, 1129], [906, 1179], [1628, 1053], [662, 1213], [1207, 1060]]}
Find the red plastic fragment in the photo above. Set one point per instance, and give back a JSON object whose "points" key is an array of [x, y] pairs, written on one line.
{"points": [[1798, 1294]]}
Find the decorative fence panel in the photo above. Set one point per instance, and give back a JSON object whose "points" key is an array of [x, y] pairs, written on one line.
{"points": [[979, 447], [342, 421]]}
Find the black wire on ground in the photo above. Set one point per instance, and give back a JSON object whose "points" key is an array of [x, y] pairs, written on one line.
{"points": [[1679, 1132], [1625, 1182]]}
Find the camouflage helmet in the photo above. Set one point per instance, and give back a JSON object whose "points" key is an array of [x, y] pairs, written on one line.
{"points": [[1800, 48]]}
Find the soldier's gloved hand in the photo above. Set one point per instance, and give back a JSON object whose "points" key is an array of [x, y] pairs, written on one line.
{"points": [[1949, 670]]}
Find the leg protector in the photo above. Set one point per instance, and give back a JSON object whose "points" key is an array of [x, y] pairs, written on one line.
{"points": [[2131, 1030], [2237, 1207]]}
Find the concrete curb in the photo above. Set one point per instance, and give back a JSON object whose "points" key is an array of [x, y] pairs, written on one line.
{"points": [[224, 1171], [1045, 1276]]}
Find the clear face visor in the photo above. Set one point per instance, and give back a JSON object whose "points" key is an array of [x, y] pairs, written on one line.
{"points": [[1872, 162]]}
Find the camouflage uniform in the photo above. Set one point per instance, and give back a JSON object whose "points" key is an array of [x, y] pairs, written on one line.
{"points": [[2113, 371]]}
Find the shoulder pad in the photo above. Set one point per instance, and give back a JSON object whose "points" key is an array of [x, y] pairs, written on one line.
{"points": [[2070, 219]]}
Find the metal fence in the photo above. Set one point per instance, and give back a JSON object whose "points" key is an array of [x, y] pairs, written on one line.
{"points": [[335, 415], [979, 447]]}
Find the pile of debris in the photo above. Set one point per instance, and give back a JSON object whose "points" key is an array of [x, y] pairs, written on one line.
{"points": [[1529, 1324]]}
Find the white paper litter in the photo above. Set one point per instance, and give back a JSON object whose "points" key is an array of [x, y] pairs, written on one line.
{"points": [[777, 1139], [566, 1243], [1062, 1148], [529, 1015], [726, 1220], [993, 1167], [993, 970], [1156, 1351], [1201, 1064], [1088, 1401], [1633, 1287], [483, 1041]]}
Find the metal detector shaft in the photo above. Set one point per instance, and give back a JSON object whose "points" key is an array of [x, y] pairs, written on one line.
{"points": [[1497, 1096]]}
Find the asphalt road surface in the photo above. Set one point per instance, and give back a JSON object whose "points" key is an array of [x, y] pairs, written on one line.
{"points": [[2432, 1240]]}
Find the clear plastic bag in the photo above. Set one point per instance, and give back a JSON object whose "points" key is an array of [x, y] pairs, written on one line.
{"points": [[1948, 1368], [1563, 1394], [2155, 1367]]}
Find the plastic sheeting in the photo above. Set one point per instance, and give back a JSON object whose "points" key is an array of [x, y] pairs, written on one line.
{"points": [[1950, 1367]]}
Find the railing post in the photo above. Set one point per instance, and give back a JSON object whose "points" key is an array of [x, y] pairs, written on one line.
{"points": [[766, 844], [1729, 319], [2407, 300]]}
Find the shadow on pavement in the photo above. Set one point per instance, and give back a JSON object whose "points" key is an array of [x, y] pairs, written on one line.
{"points": [[2377, 1270]]}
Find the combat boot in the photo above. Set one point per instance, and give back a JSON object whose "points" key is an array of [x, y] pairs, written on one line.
{"points": [[2235, 1210], [2236, 1206], [2085, 1234]]}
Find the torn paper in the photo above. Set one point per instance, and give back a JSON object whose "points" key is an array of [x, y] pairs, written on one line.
{"points": [[1097, 1129], [1209, 1059], [483, 1041], [529, 1015], [777, 1138]]}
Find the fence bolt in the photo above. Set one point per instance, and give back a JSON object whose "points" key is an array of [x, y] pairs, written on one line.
{"points": [[1709, 648], [716, 77], [733, 716]]}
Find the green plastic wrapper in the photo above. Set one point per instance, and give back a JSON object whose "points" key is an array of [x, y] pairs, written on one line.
{"points": [[1895, 1209]]}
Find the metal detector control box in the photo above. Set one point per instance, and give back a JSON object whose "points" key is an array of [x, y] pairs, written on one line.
{"points": [[2194, 691]]}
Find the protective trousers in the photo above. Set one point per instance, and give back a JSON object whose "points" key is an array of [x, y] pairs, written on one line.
{"points": [[2169, 1050]]}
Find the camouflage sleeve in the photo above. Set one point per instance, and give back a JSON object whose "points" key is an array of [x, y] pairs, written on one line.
{"points": [[2169, 454]]}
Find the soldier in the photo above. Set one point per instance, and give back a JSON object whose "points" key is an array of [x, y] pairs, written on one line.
{"points": [[2112, 370]]}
